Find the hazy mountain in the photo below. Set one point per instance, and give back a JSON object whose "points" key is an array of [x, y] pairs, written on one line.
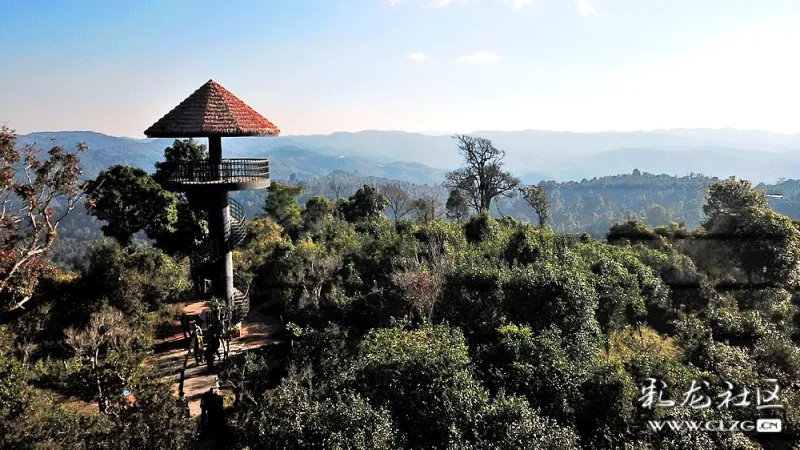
{"points": [[562, 156], [713, 161], [532, 155], [285, 158], [523, 146], [104, 150]]}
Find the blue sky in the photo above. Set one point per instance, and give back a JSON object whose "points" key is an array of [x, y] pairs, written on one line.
{"points": [[415, 65]]}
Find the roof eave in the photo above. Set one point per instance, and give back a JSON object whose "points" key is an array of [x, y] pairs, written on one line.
{"points": [[201, 134]]}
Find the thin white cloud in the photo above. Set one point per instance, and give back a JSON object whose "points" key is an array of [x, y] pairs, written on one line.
{"points": [[585, 8], [418, 57], [481, 58], [517, 4]]}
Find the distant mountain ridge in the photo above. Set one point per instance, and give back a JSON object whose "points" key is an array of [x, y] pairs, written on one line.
{"points": [[532, 154], [285, 158]]}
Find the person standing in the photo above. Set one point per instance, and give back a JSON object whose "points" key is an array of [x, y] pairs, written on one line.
{"points": [[197, 342], [199, 350], [212, 349], [207, 402]]}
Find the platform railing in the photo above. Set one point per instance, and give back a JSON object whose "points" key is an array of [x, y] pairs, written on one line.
{"points": [[204, 171]]}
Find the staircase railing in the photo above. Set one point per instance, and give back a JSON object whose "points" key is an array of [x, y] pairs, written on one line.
{"points": [[213, 249], [241, 299], [210, 251]]}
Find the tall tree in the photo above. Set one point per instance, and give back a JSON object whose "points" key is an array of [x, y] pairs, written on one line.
{"points": [[657, 215], [400, 201], [366, 203], [37, 194], [316, 210], [742, 225], [457, 206], [191, 226], [536, 196], [732, 197], [189, 230], [129, 200], [482, 179], [186, 150], [281, 204]]}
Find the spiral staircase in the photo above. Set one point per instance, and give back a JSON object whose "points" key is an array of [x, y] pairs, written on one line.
{"points": [[206, 253]]}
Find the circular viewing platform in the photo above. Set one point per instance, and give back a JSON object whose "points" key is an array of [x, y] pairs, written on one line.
{"points": [[240, 174]]}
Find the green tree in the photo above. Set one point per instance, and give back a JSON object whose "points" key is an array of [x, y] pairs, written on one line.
{"points": [[129, 201], [281, 205], [422, 377], [536, 196], [294, 417], [537, 366], [457, 206], [510, 423], [111, 355], [657, 215], [366, 203], [553, 293], [732, 197], [134, 279], [317, 209], [186, 150], [12, 385], [740, 223], [189, 230], [482, 179], [156, 420]]}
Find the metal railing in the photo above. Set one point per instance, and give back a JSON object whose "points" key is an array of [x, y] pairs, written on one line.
{"points": [[237, 219], [209, 251], [235, 170], [241, 299]]}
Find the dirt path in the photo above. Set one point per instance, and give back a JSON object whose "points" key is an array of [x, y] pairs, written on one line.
{"points": [[257, 330]]}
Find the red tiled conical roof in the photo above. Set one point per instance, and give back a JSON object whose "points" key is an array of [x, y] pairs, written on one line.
{"points": [[212, 111]]}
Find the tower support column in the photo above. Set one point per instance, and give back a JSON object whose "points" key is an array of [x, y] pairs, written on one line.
{"points": [[219, 228]]}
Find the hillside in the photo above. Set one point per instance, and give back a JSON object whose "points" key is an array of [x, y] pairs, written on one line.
{"points": [[532, 155], [286, 159]]}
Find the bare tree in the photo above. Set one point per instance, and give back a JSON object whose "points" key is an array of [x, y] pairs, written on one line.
{"points": [[423, 280], [108, 331], [400, 201], [36, 195], [338, 184], [429, 206], [482, 179]]}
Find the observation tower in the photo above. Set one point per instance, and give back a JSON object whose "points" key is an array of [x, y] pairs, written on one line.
{"points": [[214, 112]]}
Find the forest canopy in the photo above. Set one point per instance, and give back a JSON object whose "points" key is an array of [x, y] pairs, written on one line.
{"points": [[440, 325]]}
